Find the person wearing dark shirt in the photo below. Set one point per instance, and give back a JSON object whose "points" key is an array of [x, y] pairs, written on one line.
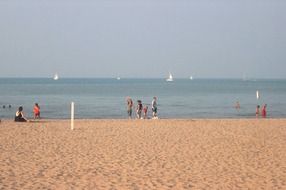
{"points": [[19, 116]]}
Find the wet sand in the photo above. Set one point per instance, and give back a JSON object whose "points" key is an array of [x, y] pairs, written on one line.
{"points": [[144, 154]]}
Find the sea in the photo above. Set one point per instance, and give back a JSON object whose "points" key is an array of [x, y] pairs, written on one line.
{"points": [[105, 98]]}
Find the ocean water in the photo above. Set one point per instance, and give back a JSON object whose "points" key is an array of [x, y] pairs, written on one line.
{"points": [[105, 98]]}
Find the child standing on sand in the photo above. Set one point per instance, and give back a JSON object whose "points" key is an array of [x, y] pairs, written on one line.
{"points": [[36, 111], [257, 111], [145, 110], [139, 109]]}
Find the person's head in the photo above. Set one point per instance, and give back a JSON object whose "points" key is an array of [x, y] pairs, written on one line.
{"points": [[20, 108], [258, 106], [265, 105], [128, 98], [155, 98], [36, 104]]}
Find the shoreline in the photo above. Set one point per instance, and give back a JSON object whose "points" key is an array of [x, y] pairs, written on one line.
{"points": [[133, 119]]}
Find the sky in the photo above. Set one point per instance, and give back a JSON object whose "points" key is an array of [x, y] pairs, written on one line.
{"points": [[143, 38]]}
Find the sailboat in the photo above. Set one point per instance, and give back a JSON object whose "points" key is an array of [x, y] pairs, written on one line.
{"points": [[170, 78], [56, 77], [191, 77]]}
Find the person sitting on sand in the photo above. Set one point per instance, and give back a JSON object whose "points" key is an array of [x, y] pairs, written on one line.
{"points": [[145, 110], [129, 107], [263, 112], [19, 117], [37, 111], [139, 109]]}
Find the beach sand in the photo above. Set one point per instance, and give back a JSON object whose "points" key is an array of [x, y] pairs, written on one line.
{"points": [[144, 154]]}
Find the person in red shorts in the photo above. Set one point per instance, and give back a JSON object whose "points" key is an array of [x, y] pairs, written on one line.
{"points": [[37, 111], [263, 112], [145, 110]]}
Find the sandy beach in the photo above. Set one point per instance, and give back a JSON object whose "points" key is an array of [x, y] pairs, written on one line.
{"points": [[144, 154]]}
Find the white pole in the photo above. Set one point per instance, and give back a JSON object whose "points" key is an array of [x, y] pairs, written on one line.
{"points": [[72, 115], [257, 94]]}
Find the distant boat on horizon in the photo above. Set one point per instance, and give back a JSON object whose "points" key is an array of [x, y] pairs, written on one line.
{"points": [[118, 78], [56, 76], [170, 78], [245, 78], [191, 77]]}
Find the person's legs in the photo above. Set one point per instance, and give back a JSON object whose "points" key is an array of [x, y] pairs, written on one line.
{"points": [[129, 113], [20, 120], [154, 112]]}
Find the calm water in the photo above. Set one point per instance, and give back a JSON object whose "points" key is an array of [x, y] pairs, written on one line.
{"points": [[105, 98]]}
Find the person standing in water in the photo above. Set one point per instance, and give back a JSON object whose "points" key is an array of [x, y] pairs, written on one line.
{"points": [[129, 107], [154, 107], [145, 110], [237, 106], [139, 109], [257, 111], [263, 112]]}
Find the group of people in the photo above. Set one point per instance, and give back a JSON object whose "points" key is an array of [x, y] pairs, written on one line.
{"points": [[141, 109], [20, 116], [263, 112]]}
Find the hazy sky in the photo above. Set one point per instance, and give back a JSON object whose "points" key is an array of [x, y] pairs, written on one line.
{"points": [[147, 38]]}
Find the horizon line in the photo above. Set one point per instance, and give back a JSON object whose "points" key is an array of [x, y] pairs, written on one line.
{"points": [[122, 78]]}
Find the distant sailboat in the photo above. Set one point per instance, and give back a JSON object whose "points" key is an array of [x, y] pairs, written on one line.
{"points": [[244, 78], [56, 77], [118, 78], [191, 77], [170, 78]]}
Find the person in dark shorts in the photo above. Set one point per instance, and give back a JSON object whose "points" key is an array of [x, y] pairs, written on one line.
{"points": [[154, 108], [19, 116]]}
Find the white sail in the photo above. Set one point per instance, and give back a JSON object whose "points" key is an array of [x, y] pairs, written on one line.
{"points": [[56, 76], [191, 77], [170, 78]]}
